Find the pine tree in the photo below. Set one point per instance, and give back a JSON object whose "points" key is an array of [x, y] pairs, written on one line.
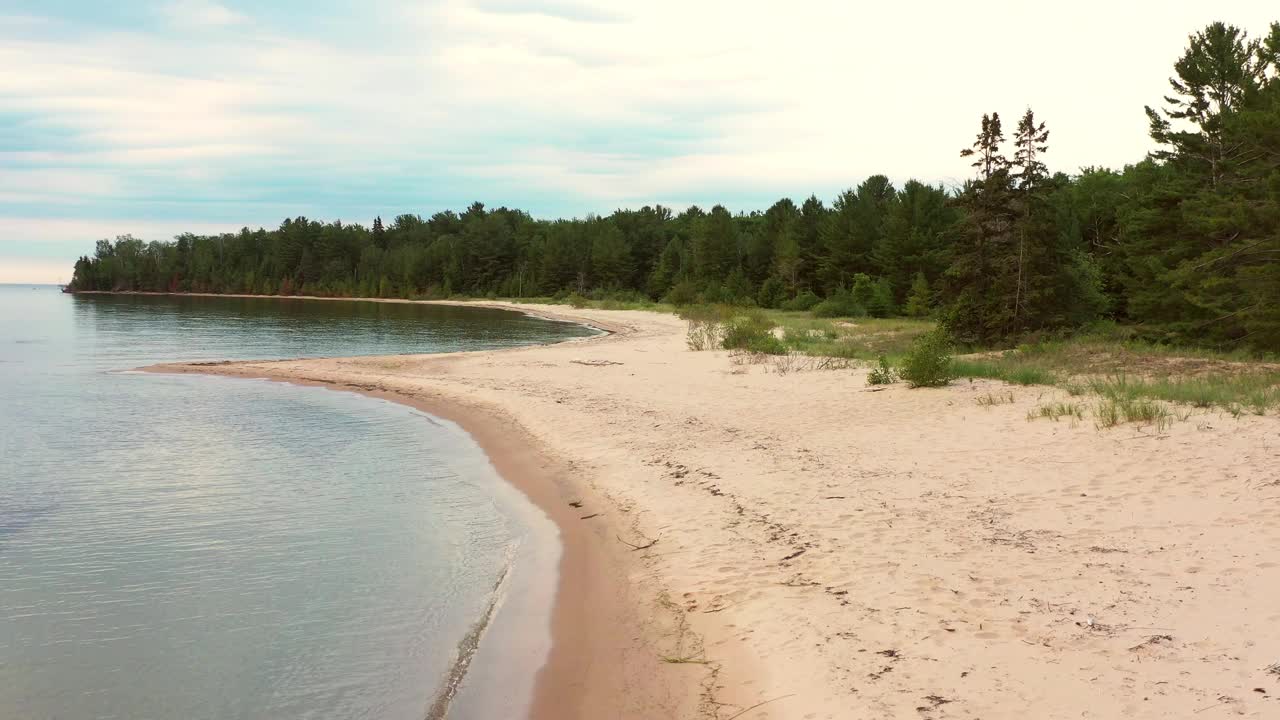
{"points": [[1219, 69], [982, 280], [1201, 240], [715, 247], [1028, 177], [919, 301], [988, 159]]}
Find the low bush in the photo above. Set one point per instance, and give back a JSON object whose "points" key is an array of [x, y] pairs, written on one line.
{"points": [[840, 304], [804, 301], [928, 362], [752, 331], [772, 293], [883, 374], [682, 294], [706, 326]]}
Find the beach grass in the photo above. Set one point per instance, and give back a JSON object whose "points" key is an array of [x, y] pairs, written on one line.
{"points": [[865, 339], [1056, 410], [1105, 360], [993, 399]]}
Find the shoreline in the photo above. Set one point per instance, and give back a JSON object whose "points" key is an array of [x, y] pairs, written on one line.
{"points": [[814, 549], [592, 609]]}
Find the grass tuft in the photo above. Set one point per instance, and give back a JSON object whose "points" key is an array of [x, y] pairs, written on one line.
{"points": [[990, 400], [1056, 410]]}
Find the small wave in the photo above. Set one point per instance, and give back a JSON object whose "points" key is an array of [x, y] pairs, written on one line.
{"points": [[467, 648]]}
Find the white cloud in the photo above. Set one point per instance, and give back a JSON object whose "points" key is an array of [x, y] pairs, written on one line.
{"points": [[572, 96], [43, 231], [31, 183], [200, 13]]}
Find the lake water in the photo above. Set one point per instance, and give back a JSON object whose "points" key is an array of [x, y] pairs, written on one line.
{"points": [[199, 547]]}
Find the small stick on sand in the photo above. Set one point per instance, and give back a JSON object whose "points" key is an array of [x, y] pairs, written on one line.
{"points": [[646, 546], [753, 707]]}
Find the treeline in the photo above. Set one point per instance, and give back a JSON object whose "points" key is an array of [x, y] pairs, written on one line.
{"points": [[1184, 245]]}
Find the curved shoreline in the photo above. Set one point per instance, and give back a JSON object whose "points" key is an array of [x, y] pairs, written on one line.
{"points": [[592, 610], [826, 551]]}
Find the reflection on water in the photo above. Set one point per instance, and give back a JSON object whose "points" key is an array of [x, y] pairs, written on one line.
{"points": [[191, 547]]}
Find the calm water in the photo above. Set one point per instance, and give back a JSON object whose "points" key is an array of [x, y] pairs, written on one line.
{"points": [[196, 547]]}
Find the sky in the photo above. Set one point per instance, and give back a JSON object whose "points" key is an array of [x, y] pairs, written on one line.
{"points": [[154, 117]]}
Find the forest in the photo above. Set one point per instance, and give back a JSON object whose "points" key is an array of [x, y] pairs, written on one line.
{"points": [[1183, 246]]}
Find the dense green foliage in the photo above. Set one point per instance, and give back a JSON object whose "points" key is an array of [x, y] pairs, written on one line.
{"points": [[1183, 245], [928, 362]]}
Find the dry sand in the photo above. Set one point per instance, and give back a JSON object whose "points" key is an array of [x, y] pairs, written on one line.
{"points": [[834, 552]]}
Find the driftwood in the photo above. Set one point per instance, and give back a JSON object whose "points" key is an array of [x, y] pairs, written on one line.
{"points": [[595, 363]]}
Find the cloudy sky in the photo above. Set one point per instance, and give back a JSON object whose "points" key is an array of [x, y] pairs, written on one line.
{"points": [[152, 117]]}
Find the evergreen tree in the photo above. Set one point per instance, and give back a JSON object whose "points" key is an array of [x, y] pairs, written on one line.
{"points": [[715, 247], [813, 217], [920, 300], [982, 280], [1201, 239]]}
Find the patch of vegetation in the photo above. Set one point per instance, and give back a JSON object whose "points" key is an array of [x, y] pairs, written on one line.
{"points": [[713, 327], [1056, 410], [706, 327], [928, 363], [866, 339], [991, 399], [1106, 359], [882, 374], [839, 305], [792, 361], [1001, 368], [1258, 392], [802, 302], [1110, 412], [751, 330]]}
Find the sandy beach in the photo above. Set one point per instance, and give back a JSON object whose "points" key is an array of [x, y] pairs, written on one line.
{"points": [[746, 544]]}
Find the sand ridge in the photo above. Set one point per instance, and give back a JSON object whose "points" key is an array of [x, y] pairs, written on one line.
{"points": [[833, 552]]}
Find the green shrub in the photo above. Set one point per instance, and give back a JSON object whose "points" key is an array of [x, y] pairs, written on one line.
{"points": [[928, 362], [577, 300], [839, 304], [706, 327], [771, 293], [882, 375], [681, 294], [768, 344], [752, 331], [804, 301]]}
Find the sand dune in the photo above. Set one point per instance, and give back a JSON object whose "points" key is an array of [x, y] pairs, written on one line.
{"points": [[834, 552]]}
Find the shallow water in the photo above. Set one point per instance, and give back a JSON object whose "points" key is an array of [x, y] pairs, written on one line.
{"points": [[197, 547]]}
